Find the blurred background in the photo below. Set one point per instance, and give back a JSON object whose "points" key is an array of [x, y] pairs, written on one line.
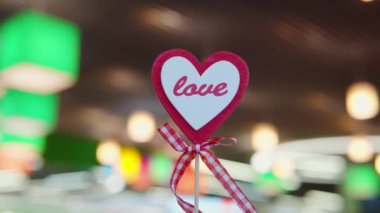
{"points": [[79, 114]]}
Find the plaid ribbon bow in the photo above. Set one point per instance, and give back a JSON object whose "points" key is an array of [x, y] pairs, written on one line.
{"points": [[211, 162]]}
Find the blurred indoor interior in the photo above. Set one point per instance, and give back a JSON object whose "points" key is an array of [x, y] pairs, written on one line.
{"points": [[79, 113]]}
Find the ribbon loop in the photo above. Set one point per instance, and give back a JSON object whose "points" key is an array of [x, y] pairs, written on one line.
{"points": [[212, 163], [173, 138]]}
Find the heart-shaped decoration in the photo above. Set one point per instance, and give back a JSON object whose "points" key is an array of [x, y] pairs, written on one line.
{"points": [[199, 97]]}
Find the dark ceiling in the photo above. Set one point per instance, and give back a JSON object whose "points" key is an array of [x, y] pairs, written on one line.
{"points": [[302, 55]]}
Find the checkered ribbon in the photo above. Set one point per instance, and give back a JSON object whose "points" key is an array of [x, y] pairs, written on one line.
{"points": [[210, 160]]}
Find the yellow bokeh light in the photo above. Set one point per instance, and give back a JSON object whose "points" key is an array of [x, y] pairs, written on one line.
{"points": [[360, 149], [264, 137], [362, 101], [108, 152], [141, 126], [377, 163], [130, 164]]}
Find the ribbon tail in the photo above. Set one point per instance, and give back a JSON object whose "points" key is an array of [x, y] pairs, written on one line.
{"points": [[179, 169], [228, 183]]}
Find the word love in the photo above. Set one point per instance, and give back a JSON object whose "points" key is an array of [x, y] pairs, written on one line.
{"points": [[180, 88]]}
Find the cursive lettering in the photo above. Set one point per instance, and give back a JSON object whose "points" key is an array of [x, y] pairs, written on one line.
{"points": [[180, 88]]}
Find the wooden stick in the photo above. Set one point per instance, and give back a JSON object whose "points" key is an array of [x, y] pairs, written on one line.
{"points": [[196, 187]]}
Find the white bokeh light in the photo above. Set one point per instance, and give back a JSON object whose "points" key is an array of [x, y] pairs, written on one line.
{"points": [[108, 152], [360, 149], [264, 137], [262, 162], [141, 126], [362, 101]]}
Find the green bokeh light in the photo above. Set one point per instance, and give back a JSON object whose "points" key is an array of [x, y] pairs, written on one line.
{"points": [[37, 143], [42, 108], [361, 181], [40, 39], [160, 168]]}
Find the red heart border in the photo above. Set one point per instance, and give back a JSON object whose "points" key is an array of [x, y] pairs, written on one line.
{"points": [[202, 134]]}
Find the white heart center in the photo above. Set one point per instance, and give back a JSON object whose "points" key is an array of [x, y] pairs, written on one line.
{"points": [[196, 109]]}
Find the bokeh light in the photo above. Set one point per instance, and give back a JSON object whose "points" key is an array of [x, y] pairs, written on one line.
{"points": [[361, 181], [44, 57], [108, 152], [360, 149], [141, 126], [131, 162], [264, 137], [262, 162], [160, 168], [377, 163], [283, 168], [362, 101]]}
